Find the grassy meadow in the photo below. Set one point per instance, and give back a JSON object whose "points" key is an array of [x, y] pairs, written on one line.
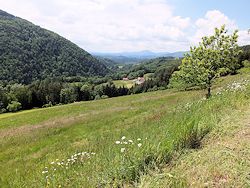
{"points": [[130, 83], [110, 142], [124, 83]]}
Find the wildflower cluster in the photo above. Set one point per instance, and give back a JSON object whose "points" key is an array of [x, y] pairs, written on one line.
{"points": [[125, 143], [234, 87], [237, 86], [188, 106], [58, 165]]}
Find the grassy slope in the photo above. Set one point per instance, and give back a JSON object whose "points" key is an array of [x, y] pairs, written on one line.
{"points": [[30, 140], [222, 160]]}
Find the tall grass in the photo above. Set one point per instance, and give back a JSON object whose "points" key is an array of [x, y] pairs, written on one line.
{"points": [[118, 157], [118, 164]]}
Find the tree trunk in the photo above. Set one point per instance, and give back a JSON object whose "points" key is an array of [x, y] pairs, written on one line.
{"points": [[209, 92], [208, 95]]}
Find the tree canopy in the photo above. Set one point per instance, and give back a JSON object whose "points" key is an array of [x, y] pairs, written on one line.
{"points": [[215, 56], [29, 52]]}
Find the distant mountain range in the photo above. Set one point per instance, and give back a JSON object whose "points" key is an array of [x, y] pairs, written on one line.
{"points": [[135, 57]]}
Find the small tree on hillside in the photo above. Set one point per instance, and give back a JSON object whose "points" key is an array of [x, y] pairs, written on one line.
{"points": [[215, 56]]}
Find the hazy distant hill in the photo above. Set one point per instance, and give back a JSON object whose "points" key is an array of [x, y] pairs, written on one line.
{"points": [[29, 52], [135, 57]]}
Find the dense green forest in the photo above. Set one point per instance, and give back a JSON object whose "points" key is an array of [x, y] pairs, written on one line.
{"points": [[29, 52], [53, 91], [156, 66]]}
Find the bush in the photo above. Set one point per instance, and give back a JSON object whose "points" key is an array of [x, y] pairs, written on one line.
{"points": [[104, 96], [246, 63], [14, 106], [97, 97], [47, 105], [2, 110]]}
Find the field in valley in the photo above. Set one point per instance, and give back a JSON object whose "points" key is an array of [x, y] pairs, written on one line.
{"points": [[124, 83], [113, 141]]}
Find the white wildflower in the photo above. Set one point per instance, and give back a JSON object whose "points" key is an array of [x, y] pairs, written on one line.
{"points": [[117, 142], [124, 137], [138, 139], [139, 145], [122, 150], [131, 141]]}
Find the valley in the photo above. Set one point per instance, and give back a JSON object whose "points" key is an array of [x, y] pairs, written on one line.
{"points": [[111, 97]]}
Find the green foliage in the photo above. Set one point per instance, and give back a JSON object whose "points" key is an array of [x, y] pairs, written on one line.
{"points": [[245, 53], [41, 136], [153, 66], [97, 97], [14, 106], [215, 56], [47, 105], [36, 53], [104, 97], [246, 63], [68, 95]]}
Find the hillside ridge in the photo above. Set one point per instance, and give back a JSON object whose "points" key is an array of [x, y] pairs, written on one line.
{"points": [[36, 53]]}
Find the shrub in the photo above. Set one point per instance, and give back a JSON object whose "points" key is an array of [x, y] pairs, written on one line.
{"points": [[2, 110], [14, 106], [246, 63], [47, 105], [97, 97], [104, 96]]}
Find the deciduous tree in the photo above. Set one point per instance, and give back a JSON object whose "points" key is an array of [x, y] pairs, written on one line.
{"points": [[215, 56]]}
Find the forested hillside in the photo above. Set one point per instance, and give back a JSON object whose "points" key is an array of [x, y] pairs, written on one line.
{"points": [[245, 53], [29, 52]]}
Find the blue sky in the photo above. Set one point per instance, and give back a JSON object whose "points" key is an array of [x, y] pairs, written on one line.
{"points": [[235, 9], [134, 25]]}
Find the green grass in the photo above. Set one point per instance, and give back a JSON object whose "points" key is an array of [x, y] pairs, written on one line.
{"points": [[222, 161], [148, 75], [129, 83], [165, 121], [125, 83]]}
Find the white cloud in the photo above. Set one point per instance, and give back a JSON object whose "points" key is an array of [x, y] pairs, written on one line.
{"points": [[109, 25], [214, 18], [205, 26], [244, 37], [120, 25]]}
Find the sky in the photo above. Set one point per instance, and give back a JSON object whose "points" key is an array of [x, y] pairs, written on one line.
{"points": [[134, 25]]}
